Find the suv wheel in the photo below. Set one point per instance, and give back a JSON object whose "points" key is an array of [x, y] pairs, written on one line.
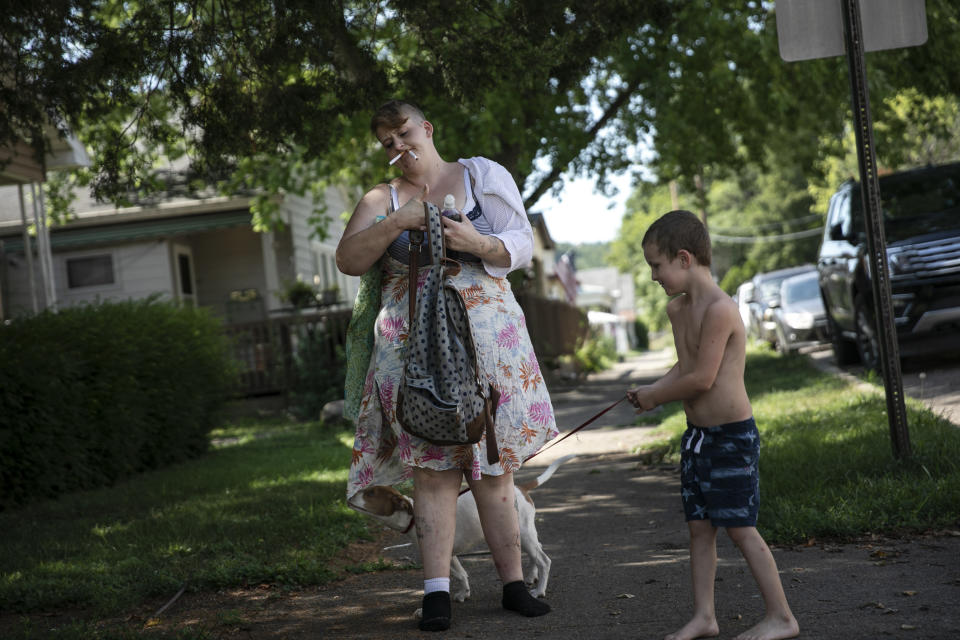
{"points": [[868, 344], [844, 351]]}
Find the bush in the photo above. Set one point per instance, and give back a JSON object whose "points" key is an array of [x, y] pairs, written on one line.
{"points": [[598, 352], [643, 335], [319, 372], [96, 393]]}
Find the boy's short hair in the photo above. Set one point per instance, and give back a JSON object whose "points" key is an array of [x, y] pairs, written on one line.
{"points": [[393, 114], [678, 230]]}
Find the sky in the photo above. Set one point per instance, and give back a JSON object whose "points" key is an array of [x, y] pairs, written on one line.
{"points": [[579, 215]]}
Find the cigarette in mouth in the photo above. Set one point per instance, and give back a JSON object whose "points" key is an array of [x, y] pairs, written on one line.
{"points": [[398, 156]]}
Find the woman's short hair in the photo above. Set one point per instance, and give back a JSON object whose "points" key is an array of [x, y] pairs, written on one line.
{"points": [[678, 230], [393, 114]]}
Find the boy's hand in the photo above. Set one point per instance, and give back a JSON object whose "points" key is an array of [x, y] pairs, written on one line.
{"points": [[642, 398]]}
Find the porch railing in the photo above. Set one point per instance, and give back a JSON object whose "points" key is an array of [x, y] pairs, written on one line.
{"points": [[266, 350]]}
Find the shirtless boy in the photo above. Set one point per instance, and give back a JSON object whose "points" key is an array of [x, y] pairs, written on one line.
{"points": [[720, 448]]}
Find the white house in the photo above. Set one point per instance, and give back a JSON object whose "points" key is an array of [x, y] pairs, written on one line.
{"points": [[609, 297], [199, 251]]}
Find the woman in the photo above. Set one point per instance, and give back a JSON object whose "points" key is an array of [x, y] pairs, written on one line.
{"points": [[495, 238]]}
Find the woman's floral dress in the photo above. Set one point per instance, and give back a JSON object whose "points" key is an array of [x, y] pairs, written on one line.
{"points": [[383, 453]]}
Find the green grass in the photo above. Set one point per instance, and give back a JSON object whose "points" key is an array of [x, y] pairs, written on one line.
{"points": [[827, 469], [265, 509]]}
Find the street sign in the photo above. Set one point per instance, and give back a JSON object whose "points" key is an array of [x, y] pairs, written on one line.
{"points": [[808, 29]]}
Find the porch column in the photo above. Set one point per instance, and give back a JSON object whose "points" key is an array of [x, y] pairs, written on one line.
{"points": [[28, 250], [43, 246], [270, 271]]}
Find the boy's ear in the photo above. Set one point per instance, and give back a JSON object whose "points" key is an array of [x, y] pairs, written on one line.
{"points": [[686, 259]]}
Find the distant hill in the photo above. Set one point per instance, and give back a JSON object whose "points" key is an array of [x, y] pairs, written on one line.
{"points": [[589, 255]]}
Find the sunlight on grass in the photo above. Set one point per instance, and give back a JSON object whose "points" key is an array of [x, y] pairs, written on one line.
{"points": [[326, 475], [267, 509], [269, 506]]}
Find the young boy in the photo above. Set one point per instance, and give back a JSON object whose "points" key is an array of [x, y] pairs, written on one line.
{"points": [[719, 472]]}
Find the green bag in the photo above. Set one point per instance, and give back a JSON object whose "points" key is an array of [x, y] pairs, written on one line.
{"points": [[359, 346], [359, 343]]}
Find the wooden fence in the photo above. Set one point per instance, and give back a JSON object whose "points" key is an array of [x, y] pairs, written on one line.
{"points": [[556, 327], [267, 350]]}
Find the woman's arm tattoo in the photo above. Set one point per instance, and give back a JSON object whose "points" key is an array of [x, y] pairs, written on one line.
{"points": [[492, 247]]}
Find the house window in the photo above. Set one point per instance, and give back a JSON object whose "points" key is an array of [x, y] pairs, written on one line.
{"points": [[90, 271]]}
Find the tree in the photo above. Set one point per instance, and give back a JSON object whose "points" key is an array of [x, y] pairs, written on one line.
{"points": [[271, 95]]}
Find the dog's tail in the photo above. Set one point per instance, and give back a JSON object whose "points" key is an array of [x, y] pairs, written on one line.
{"points": [[549, 471]]}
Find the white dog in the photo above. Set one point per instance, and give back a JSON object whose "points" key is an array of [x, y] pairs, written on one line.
{"points": [[395, 510]]}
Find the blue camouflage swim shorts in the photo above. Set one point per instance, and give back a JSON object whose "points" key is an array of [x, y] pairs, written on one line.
{"points": [[720, 475]]}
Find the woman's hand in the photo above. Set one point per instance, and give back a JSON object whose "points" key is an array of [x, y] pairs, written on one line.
{"points": [[462, 235], [410, 215]]}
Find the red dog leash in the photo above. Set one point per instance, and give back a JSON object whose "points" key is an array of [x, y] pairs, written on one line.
{"points": [[567, 435], [559, 440]]}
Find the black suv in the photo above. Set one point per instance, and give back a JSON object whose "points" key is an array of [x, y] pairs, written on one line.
{"points": [[921, 218]]}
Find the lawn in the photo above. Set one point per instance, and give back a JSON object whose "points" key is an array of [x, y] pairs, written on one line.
{"points": [[266, 505]]}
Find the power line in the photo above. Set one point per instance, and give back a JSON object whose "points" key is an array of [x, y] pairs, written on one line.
{"points": [[774, 238], [769, 225]]}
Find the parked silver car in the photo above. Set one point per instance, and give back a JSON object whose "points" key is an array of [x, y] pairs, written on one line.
{"points": [[766, 296], [798, 314]]}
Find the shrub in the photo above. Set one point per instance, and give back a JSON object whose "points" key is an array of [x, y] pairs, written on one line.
{"points": [[642, 333], [95, 393], [598, 352], [318, 372]]}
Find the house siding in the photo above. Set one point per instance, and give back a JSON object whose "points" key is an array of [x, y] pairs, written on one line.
{"points": [[140, 269], [314, 260]]}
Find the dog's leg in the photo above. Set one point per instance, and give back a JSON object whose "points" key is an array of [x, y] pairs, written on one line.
{"points": [[462, 592], [539, 570]]}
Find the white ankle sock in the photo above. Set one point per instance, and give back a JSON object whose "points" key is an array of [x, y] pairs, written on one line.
{"points": [[436, 584]]}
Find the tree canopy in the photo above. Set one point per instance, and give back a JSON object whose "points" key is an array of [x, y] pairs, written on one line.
{"points": [[269, 95]]}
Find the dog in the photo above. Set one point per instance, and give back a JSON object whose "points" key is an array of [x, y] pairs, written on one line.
{"points": [[395, 510]]}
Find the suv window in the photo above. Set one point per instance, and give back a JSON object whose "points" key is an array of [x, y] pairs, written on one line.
{"points": [[840, 214], [915, 203]]}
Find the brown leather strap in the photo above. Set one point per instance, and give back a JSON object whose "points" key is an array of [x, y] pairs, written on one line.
{"points": [[493, 401], [413, 263]]}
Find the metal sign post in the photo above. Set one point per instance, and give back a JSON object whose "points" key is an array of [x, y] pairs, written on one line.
{"points": [[809, 29], [876, 240]]}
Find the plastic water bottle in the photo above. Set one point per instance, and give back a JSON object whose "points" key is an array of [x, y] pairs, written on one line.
{"points": [[450, 207]]}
